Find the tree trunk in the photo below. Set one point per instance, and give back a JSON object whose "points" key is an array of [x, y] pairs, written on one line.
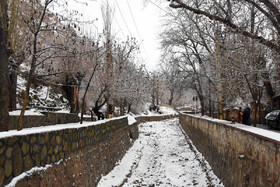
{"points": [[72, 96], [13, 90], [28, 85], [171, 97], [4, 60], [84, 97], [255, 113], [121, 107], [201, 99]]}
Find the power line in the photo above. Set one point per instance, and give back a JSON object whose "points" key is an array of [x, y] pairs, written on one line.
{"points": [[137, 30], [159, 7], [119, 26], [133, 19], [123, 17]]}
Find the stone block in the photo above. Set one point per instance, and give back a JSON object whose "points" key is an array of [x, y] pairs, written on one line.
{"points": [[9, 152], [13, 140], [56, 149], [41, 140], [33, 139], [2, 149], [28, 163], [58, 140], [17, 161], [25, 148], [44, 152], [8, 168], [2, 176]]}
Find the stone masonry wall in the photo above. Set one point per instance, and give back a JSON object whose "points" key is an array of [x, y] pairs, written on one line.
{"points": [[86, 153], [106, 143], [48, 118], [238, 157]]}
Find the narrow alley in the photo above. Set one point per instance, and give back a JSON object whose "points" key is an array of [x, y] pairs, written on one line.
{"points": [[162, 156]]}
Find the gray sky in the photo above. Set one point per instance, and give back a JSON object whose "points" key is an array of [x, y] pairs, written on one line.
{"points": [[131, 18]]}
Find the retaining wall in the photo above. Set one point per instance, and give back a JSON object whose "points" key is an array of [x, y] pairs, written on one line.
{"points": [[48, 118], [102, 145], [238, 156], [86, 153]]}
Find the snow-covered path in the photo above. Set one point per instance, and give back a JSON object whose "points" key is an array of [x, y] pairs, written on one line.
{"points": [[162, 156]]}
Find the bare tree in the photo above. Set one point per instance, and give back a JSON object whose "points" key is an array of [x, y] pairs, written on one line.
{"points": [[4, 56], [268, 8]]}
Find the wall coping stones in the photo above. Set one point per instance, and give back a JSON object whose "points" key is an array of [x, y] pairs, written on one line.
{"points": [[44, 129], [261, 133]]}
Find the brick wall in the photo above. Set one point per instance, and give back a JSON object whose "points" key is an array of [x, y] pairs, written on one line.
{"points": [[238, 157]]}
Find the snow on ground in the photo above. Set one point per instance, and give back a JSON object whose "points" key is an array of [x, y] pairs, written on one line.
{"points": [[164, 110], [131, 119], [30, 112], [162, 156]]}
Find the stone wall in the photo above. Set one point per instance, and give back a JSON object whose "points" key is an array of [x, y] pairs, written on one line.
{"points": [[48, 118], [85, 153], [93, 149], [238, 157]]}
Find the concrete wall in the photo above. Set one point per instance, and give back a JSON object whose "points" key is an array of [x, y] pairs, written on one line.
{"points": [[238, 157]]}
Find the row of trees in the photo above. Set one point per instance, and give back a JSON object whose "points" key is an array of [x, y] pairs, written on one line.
{"points": [[92, 70], [224, 50]]}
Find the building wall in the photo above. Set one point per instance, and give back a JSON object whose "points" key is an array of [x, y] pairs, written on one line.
{"points": [[238, 157]]}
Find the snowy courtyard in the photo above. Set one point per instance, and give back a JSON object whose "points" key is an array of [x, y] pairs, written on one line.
{"points": [[162, 156]]}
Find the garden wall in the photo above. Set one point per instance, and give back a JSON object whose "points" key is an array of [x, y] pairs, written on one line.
{"points": [[238, 156]]}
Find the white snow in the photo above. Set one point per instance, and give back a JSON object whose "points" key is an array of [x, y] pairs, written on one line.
{"points": [[161, 156], [131, 119], [258, 131], [43, 129], [30, 112], [165, 110]]}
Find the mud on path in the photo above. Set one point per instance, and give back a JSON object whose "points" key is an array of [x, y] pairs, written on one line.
{"points": [[162, 156]]}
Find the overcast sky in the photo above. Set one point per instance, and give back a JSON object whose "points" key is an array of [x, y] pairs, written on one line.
{"points": [[131, 18]]}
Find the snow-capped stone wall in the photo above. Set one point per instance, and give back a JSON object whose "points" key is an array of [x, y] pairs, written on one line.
{"points": [[240, 155], [45, 119], [95, 147]]}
